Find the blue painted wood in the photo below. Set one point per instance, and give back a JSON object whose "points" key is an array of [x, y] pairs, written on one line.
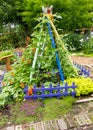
{"points": [[51, 90], [60, 91], [19, 54], [56, 53], [1, 79], [48, 89], [34, 91], [83, 70], [43, 92]]}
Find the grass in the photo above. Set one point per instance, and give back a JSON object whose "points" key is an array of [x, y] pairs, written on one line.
{"points": [[55, 108], [82, 54], [35, 110]]}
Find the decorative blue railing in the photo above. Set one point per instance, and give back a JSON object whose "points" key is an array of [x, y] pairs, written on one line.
{"points": [[1, 78], [83, 70], [19, 54], [51, 91]]}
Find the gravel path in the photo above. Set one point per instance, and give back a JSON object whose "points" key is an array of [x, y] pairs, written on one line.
{"points": [[83, 60]]}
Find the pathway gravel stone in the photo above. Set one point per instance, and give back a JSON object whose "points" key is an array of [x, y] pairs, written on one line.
{"points": [[76, 122], [51, 125], [18, 127], [83, 120], [10, 128], [70, 120], [62, 124]]}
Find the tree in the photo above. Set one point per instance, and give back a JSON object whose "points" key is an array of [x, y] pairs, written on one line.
{"points": [[8, 13], [8, 9], [75, 13], [28, 10], [1, 14]]}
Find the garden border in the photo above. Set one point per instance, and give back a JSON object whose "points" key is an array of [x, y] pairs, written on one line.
{"points": [[51, 91]]}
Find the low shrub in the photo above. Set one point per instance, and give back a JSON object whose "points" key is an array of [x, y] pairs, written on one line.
{"points": [[84, 85]]}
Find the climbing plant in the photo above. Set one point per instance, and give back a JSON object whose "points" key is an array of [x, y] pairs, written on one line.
{"points": [[45, 69]]}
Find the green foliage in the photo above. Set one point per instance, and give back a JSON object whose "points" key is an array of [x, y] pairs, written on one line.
{"points": [[76, 43], [88, 46], [3, 120], [28, 11], [73, 42], [84, 85], [15, 80], [68, 69], [5, 53], [8, 12], [75, 14], [55, 108], [12, 37]]}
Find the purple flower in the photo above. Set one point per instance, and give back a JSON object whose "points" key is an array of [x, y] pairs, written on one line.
{"points": [[33, 113], [25, 104], [48, 72], [33, 107], [30, 113]]}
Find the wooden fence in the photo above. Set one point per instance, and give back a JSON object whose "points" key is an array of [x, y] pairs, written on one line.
{"points": [[51, 91]]}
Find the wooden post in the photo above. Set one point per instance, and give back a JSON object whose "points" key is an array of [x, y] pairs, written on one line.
{"points": [[8, 66], [7, 58]]}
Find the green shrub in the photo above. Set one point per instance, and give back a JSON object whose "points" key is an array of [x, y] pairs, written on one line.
{"points": [[5, 53], [88, 46], [73, 42], [12, 38], [84, 85]]}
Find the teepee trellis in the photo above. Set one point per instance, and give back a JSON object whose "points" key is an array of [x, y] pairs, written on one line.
{"points": [[49, 16], [51, 27], [56, 54], [44, 91]]}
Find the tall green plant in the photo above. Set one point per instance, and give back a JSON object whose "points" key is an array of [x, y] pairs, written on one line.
{"points": [[88, 46], [73, 42]]}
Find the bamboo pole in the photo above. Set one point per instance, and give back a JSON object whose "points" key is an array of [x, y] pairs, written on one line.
{"points": [[34, 62]]}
